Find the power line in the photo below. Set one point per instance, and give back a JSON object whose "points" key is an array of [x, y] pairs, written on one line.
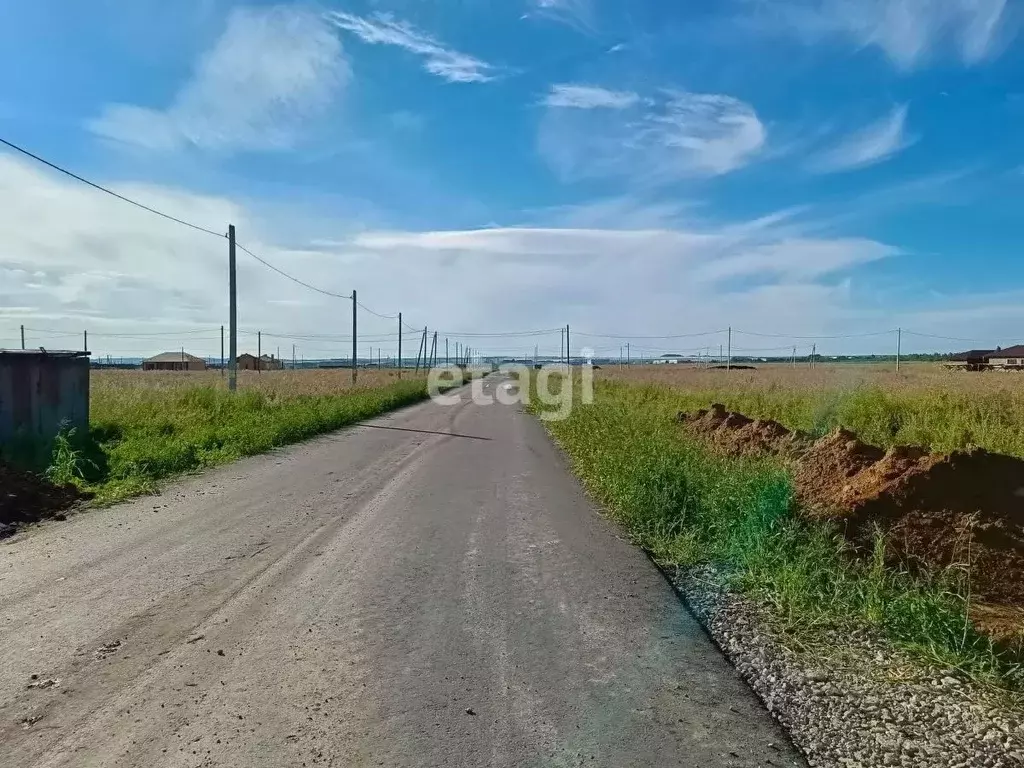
{"points": [[674, 336], [377, 314], [795, 336], [167, 216], [101, 188], [294, 279]]}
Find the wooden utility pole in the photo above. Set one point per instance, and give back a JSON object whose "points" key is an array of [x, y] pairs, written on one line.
{"points": [[222, 351], [259, 351], [728, 360], [399, 345], [568, 354], [899, 347], [85, 341], [232, 313], [355, 320], [23, 337], [627, 355]]}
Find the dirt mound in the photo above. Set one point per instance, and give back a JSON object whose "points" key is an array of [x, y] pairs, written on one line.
{"points": [[739, 435], [26, 497], [960, 510]]}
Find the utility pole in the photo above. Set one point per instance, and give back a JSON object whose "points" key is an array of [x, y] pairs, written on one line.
{"points": [[354, 339], [378, 358], [85, 341], [259, 351], [293, 357], [568, 353], [222, 351], [420, 351], [814, 350], [721, 354], [628, 361], [899, 347], [728, 360], [399, 345], [23, 337], [446, 360], [794, 357], [232, 313]]}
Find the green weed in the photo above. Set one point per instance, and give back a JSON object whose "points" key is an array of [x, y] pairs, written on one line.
{"points": [[687, 505]]}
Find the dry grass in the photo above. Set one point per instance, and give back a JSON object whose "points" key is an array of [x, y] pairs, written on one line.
{"points": [[311, 381], [146, 426], [924, 404]]}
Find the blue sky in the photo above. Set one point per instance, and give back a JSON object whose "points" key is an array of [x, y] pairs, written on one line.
{"points": [[643, 168]]}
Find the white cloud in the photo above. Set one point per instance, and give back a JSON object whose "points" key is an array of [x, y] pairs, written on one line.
{"points": [[589, 97], [875, 143], [676, 135], [907, 31], [578, 14], [446, 63], [269, 73], [76, 259]]}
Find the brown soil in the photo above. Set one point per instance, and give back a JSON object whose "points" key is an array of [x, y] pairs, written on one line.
{"points": [[26, 497], [737, 435], [959, 510]]}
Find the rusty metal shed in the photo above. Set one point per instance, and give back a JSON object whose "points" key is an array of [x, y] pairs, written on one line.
{"points": [[41, 391]]}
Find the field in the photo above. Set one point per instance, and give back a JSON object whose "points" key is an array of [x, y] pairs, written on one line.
{"points": [[924, 404], [690, 505], [149, 426]]}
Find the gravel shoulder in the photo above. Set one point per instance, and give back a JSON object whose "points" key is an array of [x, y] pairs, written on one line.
{"points": [[853, 700]]}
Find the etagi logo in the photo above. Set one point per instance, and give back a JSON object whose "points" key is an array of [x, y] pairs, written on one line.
{"points": [[556, 387]]}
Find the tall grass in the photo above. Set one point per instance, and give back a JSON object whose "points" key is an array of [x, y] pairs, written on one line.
{"points": [[140, 435], [688, 506], [924, 405]]}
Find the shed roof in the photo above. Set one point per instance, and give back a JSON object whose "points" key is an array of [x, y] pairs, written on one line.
{"points": [[1015, 351], [174, 357]]}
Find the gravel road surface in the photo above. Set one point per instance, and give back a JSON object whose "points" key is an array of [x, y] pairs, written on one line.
{"points": [[430, 589]]}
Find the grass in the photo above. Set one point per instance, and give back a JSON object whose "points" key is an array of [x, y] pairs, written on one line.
{"points": [[688, 506], [922, 405], [148, 427]]}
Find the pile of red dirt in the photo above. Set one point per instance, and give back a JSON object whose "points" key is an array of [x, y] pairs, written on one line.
{"points": [[963, 510], [26, 497], [737, 435]]}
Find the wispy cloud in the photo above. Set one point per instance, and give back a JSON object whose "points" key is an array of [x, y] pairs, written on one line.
{"points": [[907, 31], [578, 14], [269, 73], [589, 97], [672, 135], [446, 63], [870, 145]]}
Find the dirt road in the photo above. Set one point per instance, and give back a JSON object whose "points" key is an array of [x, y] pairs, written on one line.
{"points": [[384, 596]]}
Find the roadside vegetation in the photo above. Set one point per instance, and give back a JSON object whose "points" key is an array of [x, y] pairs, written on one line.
{"points": [[922, 405], [148, 427], [688, 505]]}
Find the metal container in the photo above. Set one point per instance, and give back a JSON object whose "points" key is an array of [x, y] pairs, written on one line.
{"points": [[41, 392]]}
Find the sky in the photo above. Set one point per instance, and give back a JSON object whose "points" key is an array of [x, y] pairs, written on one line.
{"points": [[802, 171]]}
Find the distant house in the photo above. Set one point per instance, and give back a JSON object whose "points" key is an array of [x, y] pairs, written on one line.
{"points": [[971, 360], [1009, 359], [174, 361], [247, 362]]}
